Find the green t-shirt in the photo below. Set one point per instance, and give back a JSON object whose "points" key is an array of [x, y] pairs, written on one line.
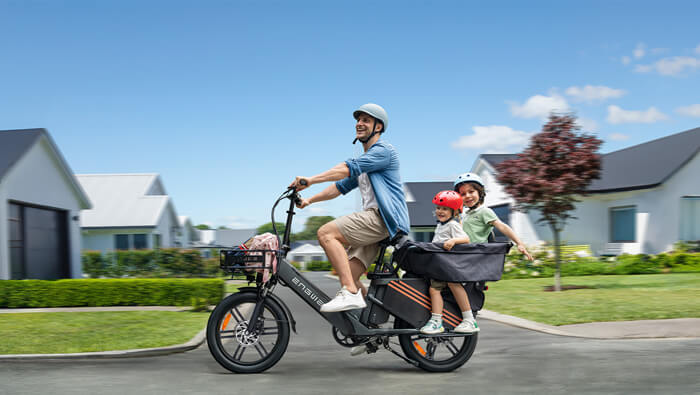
{"points": [[476, 224]]}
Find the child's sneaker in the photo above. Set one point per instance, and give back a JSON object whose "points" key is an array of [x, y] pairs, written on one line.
{"points": [[467, 327], [432, 327]]}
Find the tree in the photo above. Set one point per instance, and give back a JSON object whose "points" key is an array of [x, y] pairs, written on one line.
{"points": [[551, 173], [268, 228], [202, 227], [224, 227], [311, 227]]}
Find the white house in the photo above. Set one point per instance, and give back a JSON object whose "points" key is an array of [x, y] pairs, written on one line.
{"points": [[130, 211], [187, 235], [306, 252], [647, 198], [40, 203]]}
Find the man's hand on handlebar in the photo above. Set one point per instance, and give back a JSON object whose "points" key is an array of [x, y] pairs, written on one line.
{"points": [[303, 203], [300, 183]]}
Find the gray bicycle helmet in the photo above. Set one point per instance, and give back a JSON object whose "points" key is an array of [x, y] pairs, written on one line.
{"points": [[375, 111], [469, 177]]}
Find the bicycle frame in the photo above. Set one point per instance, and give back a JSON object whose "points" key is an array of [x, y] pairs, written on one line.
{"points": [[348, 322]]}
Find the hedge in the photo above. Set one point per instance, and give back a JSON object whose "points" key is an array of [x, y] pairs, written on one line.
{"points": [[109, 292], [517, 266], [164, 262]]}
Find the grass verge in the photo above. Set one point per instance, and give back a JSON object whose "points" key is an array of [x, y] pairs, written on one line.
{"points": [[52, 333], [610, 298]]}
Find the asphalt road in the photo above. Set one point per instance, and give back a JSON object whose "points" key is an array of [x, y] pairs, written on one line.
{"points": [[507, 360]]}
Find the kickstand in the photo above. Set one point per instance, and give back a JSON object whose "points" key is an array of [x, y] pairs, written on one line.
{"points": [[409, 360]]}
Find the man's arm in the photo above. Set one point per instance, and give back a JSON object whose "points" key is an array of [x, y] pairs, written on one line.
{"points": [[335, 173], [329, 193]]}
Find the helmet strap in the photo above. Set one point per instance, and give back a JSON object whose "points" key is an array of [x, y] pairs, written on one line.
{"points": [[374, 127]]}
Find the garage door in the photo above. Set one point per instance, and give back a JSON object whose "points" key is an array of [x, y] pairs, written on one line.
{"points": [[38, 243]]}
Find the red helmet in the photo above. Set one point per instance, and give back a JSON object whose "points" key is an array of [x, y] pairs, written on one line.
{"points": [[449, 199]]}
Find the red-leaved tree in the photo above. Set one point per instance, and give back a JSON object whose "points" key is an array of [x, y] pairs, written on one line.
{"points": [[551, 173]]}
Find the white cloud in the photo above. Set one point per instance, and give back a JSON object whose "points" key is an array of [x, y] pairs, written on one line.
{"points": [[592, 93], [617, 115], [236, 222], [692, 110], [674, 65], [639, 51], [493, 139], [658, 51], [539, 106], [626, 60], [619, 137], [587, 125]]}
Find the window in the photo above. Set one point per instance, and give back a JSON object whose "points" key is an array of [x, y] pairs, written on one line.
{"points": [[623, 224], [317, 258], [140, 242], [690, 218], [503, 213], [131, 241], [121, 242], [422, 235]]}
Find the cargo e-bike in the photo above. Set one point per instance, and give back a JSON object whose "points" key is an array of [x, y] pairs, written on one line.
{"points": [[248, 331]]}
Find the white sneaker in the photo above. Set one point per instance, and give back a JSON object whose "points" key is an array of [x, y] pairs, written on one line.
{"points": [[344, 300], [467, 327]]}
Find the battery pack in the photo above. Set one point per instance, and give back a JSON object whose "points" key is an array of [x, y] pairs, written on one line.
{"points": [[409, 300]]}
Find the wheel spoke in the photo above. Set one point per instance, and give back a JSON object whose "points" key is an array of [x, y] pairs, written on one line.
{"points": [[451, 346], [236, 354], [237, 314], [261, 350]]}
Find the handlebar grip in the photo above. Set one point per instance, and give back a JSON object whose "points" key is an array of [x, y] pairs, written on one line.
{"points": [[303, 182]]}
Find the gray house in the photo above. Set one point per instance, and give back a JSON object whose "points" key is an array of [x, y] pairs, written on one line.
{"points": [[40, 203]]}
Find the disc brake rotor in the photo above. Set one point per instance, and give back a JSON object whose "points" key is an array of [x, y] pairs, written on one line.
{"points": [[243, 338]]}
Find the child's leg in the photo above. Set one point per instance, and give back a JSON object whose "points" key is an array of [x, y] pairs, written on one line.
{"points": [[434, 324], [468, 325], [436, 301], [460, 295]]}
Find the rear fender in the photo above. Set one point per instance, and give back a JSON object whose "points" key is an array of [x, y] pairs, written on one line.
{"points": [[276, 299]]}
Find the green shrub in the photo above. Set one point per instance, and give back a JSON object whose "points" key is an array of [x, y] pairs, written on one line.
{"points": [[636, 264], [93, 264], [319, 266], [297, 265], [109, 292]]}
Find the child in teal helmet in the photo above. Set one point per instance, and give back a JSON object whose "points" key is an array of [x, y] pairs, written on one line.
{"points": [[478, 221]]}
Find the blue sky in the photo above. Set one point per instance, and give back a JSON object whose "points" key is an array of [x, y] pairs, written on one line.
{"points": [[230, 100]]}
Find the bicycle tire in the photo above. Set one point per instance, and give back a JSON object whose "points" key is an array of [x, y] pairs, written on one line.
{"points": [[413, 350], [226, 331]]}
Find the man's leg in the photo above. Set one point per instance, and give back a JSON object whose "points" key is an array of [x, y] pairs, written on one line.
{"points": [[333, 243], [358, 269]]}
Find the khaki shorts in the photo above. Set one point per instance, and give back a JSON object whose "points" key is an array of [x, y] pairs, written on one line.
{"points": [[363, 231], [439, 285]]}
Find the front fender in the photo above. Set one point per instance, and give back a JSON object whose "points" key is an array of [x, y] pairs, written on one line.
{"points": [[276, 299]]}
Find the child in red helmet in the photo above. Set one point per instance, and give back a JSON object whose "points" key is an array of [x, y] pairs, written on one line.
{"points": [[448, 206]]}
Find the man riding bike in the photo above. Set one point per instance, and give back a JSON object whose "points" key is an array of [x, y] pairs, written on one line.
{"points": [[384, 214]]}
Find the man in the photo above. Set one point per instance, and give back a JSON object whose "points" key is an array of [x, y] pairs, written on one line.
{"points": [[384, 214]]}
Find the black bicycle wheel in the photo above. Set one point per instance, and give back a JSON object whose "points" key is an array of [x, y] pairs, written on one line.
{"points": [[247, 352], [436, 353]]}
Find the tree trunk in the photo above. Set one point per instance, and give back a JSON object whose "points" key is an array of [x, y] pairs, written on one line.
{"points": [[557, 258]]}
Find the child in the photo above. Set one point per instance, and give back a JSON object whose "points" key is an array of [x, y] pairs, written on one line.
{"points": [[448, 206], [480, 220]]}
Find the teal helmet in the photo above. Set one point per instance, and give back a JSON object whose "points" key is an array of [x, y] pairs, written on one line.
{"points": [[468, 177]]}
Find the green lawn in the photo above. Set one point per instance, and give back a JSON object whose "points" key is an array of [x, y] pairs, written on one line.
{"points": [[611, 298], [51, 333]]}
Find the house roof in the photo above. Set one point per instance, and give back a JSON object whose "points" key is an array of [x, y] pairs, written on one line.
{"points": [[307, 249], [300, 243], [125, 200], [642, 166], [420, 207], [14, 144]]}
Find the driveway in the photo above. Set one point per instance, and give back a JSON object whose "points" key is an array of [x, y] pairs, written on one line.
{"points": [[507, 360]]}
